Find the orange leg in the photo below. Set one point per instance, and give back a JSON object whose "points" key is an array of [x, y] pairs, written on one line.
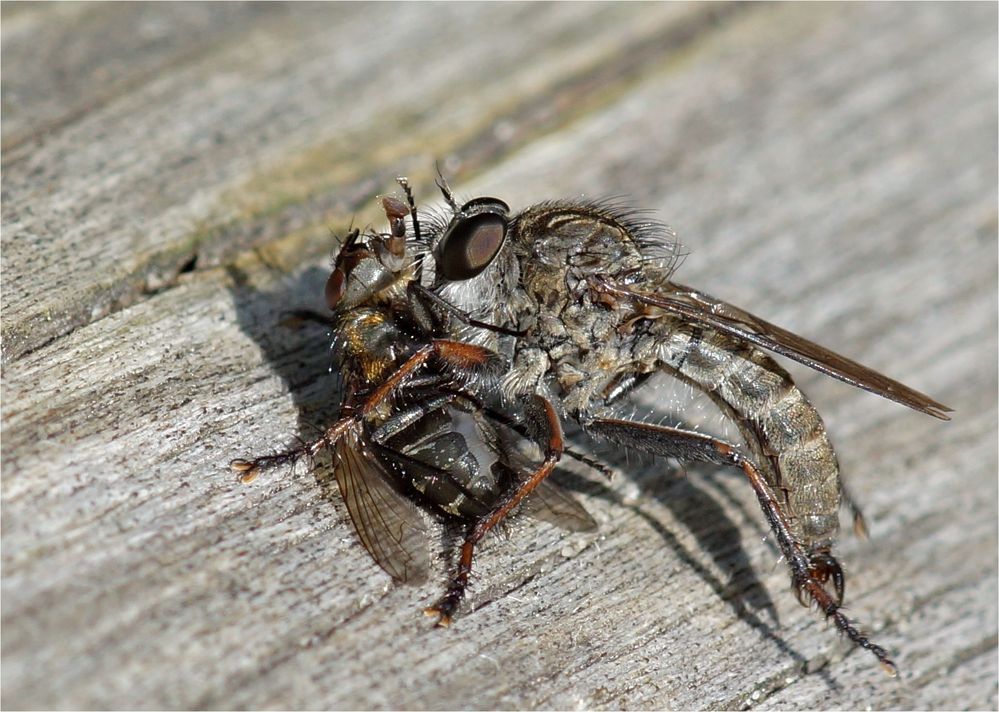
{"points": [[461, 357], [545, 424]]}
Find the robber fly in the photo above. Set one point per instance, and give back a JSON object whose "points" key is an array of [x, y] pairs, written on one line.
{"points": [[580, 297], [418, 426]]}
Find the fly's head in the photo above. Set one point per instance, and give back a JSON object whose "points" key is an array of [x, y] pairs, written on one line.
{"points": [[474, 266], [544, 257], [365, 290], [372, 269], [472, 239]]}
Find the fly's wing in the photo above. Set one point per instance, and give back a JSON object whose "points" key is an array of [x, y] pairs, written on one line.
{"points": [[714, 314], [550, 503], [389, 525]]}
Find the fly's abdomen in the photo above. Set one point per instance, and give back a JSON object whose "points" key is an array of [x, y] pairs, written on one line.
{"points": [[782, 429], [423, 446]]}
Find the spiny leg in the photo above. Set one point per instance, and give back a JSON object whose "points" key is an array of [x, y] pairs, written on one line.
{"points": [[461, 357], [809, 572], [519, 428], [427, 299], [544, 424], [250, 469]]}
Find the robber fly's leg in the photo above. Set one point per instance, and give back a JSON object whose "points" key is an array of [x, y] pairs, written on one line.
{"points": [[545, 427], [431, 310], [504, 419], [809, 572], [460, 357]]}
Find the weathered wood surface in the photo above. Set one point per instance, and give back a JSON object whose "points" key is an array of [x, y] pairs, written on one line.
{"points": [[170, 173]]}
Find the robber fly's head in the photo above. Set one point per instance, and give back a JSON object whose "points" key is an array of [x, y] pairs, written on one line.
{"points": [[370, 266], [472, 239]]}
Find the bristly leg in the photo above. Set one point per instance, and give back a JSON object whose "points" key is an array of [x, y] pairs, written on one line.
{"points": [[543, 423], [822, 567], [809, 572], [249, 470]]}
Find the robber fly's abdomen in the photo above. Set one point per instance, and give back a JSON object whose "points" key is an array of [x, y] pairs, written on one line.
{"points": [[782, 428]]}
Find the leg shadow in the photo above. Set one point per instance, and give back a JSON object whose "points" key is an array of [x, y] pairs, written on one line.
{"points": [[299, 355], [716, 534]]}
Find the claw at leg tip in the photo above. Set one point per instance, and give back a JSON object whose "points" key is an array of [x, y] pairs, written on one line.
{"points": [[247, 470]]}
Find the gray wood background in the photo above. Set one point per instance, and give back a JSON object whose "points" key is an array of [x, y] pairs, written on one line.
{"points": [[171, 173]]}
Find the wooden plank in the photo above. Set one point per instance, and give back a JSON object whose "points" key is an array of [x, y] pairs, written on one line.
{"points": [[833, 168], [293, 125]]}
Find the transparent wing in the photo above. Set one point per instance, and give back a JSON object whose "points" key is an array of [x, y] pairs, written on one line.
{"points": [[550, 503], [390, 526], [727, 319]]}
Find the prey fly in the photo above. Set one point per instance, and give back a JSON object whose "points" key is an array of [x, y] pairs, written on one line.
{"points": [[419, 427]]}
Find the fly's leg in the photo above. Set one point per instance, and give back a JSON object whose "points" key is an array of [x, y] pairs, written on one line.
{"points": [[809, 571], [424, 301], [465, 360], [468, 359], [507, 421], [859, 523], [249, 469], [544, 425], [822, 566]]}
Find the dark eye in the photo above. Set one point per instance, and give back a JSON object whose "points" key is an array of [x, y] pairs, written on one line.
{"points": [[335, 288], [469, 245]]}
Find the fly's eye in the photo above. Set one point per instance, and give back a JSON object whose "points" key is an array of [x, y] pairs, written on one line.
{"points": [[473, 239], [335, 287], [470, 245]]}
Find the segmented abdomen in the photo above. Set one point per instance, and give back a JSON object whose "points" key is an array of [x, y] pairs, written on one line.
{"points": [[782, 429]]}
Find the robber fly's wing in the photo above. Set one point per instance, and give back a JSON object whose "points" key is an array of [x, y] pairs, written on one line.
{"points": [[389, 525], [707, 311]]}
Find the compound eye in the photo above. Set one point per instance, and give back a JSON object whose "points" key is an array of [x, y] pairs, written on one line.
{"points": [[470, 245], [336, 285]]}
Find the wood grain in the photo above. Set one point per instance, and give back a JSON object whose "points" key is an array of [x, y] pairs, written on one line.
{"points": [[170, 177]]}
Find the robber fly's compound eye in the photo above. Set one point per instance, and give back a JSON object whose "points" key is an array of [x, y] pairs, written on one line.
{"points": [[473, 239]]}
